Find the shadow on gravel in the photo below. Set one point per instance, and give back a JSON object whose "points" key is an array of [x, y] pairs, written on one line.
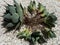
{"points": [[4, 24]]}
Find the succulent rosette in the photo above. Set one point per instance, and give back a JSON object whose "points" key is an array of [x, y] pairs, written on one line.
{"points": [[37, 20]]}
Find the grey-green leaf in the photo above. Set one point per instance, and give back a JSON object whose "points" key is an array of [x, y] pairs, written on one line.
{"points": [[7, 16], [9, 25], [19, 11], [15, 18], [12, 9]]}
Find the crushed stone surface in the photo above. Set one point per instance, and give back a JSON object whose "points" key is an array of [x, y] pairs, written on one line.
{"points": [[11, 39]]}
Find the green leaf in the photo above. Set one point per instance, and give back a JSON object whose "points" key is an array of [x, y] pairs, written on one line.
{"points": [[50, 20], [32, 6], [19, 11], [41, 40], [44, 14], [7, 16], [41, 7], [51, 34], [48, 33], [35, 34], [24, 34], [12, 9], [53, 17], [15, 18], [9, 25], [45, 34]]}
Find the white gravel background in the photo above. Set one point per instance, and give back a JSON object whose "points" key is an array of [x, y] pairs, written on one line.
{"points": [[11, 39]]}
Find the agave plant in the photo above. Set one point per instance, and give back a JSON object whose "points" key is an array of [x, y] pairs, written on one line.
{"points": [[13, 17], [39, 22]]}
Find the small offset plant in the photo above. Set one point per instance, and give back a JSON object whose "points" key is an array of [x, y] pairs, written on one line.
{"points": [[38, 21]]}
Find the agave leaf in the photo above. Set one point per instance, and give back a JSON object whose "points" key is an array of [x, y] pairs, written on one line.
{"points": [[51, 34], [12, 9], [45, 33], [19, 11], [41, 7], [7, 16], [53, 17], [49, 25], [33, 40], [32, 6], [35, 34], [50, 20], [41, 40], [20, 35], [21, 6], [24, 34], [44, 14], [29, 39], [9, 25], [15, 18], [38, 37]]}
